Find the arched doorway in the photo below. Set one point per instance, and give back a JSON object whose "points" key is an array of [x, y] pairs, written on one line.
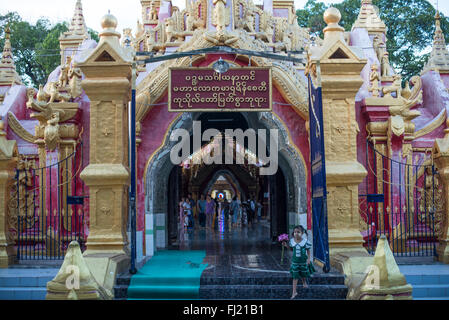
{"points": [[281, 195]]}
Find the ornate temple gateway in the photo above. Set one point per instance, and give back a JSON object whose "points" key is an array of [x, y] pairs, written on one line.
{"points": [[64, 147]]}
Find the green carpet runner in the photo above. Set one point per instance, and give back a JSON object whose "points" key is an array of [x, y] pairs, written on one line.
{"points": [[169, 275]]}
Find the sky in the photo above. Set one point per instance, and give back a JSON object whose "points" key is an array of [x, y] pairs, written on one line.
{"points": [[127, 12]]}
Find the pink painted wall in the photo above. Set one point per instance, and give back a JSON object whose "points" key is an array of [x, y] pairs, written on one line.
{"points": [[158, 120]]}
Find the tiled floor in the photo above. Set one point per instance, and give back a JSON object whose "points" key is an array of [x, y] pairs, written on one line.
{"points": [[237, 251], [243, 263]]}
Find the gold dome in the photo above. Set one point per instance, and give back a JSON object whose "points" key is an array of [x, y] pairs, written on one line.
{"points": [[332, 16], [109, 22]]}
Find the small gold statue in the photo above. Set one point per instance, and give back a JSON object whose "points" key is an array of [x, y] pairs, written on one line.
{"points": [[51, 132], [169, 29], [395, 87], [152, 14], [385, 62], [64, 76], [220, 14], [374, 79]]}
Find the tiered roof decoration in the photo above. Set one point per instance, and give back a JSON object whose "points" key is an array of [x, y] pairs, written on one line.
{"points": [[369, 19], [439, 57], [78, 25], [8, 73]]}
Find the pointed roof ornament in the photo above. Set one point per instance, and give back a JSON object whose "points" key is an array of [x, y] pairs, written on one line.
{"points": [[369, 18], [71, 40], [78, 25], [8, 73], [439, 57], [77, 28]]}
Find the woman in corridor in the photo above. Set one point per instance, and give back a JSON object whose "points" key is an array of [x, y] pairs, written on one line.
{"points": [[210, 211]]}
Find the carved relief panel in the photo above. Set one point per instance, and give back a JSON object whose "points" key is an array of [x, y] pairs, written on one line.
{"points": [[105, 207]]}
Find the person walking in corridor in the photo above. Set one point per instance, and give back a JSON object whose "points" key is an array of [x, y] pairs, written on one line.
{"points": [[201, 204], [188, 211], [234, 210], [225, 211], [210, 211], [181, 213], [192, 212]]}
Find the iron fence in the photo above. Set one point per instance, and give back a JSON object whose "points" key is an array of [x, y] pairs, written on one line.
{"points": [[50, 203], [399, 203]]}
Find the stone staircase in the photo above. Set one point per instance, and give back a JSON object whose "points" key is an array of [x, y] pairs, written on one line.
{"points": [[272, 287], [258, 286], [121, 286], [429, 282], [19, 283]]}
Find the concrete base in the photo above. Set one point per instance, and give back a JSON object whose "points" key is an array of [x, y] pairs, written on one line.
{"points": [[346, 241], [105, 267], [443, 251], [7, 257], [372, 277]]}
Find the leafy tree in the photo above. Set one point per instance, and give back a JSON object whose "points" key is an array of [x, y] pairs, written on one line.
{"points": [[93, 34], [48, 52], [410, 28], [24, 38], [312, 17], [35, 47]]}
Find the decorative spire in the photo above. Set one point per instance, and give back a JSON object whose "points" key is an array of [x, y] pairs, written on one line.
{"points": [[78, 25], [369, 19], [76, 35], [8, 73], [7, 51], [439, 57]]}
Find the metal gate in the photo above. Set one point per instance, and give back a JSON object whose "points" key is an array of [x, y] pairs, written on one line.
{"points": [[400, 202], [49, 207]]}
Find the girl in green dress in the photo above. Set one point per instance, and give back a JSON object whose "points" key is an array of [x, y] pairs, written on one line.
{"points": [[301, 266]]}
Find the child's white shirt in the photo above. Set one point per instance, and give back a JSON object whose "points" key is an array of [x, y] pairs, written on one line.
{"points": [[293, 244]]}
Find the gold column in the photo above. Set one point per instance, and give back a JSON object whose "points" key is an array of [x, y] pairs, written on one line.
{"points": [[8, 161], [108, 83], [340, 79], [441, 158]]}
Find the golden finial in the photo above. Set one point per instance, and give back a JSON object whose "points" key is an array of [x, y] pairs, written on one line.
{"points": [[332, 16], [109, 21], [109, 24]]}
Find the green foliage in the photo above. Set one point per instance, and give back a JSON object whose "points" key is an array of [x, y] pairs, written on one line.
{"points": [[410, 28], [48, 50], [93, 34], [312, 17], [35, 47], [24, 38]]}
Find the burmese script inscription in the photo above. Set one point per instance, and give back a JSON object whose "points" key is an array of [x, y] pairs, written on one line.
{"points": [[203, 89]]}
